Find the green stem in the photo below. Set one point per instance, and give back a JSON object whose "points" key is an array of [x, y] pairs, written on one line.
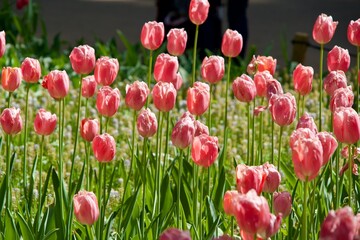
{"points": [[60, 163], [144, 153], [195, 189], [40, 178], [166, 141], [8, 101], [248, 133], [303, 105], [107, 124], [100, 199], [253, 137], [226, 96], [209, 115], [24, 163], [321, 85], [261, 136], [350, 176], [104, 198], [337, 162], [304, 215], [201, 202], [194, 55], [149, 74], [272, 141], [298, 106], [357, 76], [279, 149], [178, 190], [8, 173], [232, 227], [87, 162]]}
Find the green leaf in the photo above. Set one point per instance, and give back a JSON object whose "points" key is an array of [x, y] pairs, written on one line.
{"points": [[32, 182], [10, 228], [129, 206], [25, 229], [219, 189]]}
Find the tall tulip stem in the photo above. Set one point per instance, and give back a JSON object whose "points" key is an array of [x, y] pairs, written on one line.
{"points": [[24, 163], [8, 173], [350, 176], [145, 162], [60, 163], [272, 141], [179, 190], [248, 133], [8, 101], [253, 137], [321, 85], [357, 77], [149, 74], [337, 180], [304, 215], [260, 160], [194, 55], [209, 115], [279, 149], [40, 177]]}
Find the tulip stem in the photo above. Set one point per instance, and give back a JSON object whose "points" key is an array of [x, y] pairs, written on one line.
{"points": [[357, 77], [261, 136], [201, 203], [9, 98], [272, 141], [350, 176], [279, 149], [248, 133], [87, 162], [194, 54], [232, 227], [178, 225], [157, 172], [195, 189], [40, 177], [132, 143], [304, 215], [209, 115], [226, 110], [100, 186], [298, 106], [24, 163], [337, 169], [166, 142], [8, 173], [149, 74], [321, 85], [60, 167], [144, 153], [253, 137]]}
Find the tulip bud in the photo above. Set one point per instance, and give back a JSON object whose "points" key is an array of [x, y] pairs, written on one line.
{"points": [[232, 43], [342, 97], [21, 3], [45, 122], [329, 145], [82, 59], [213, 69], [89, 129], [198, 11], [200, 128], [175, 234], [346, 124], [244, 88], [302, 78], [136, 95], [164, 96], [2, 43], [11, 78], [57, 83], [88, 87], [104, 147], [338, 59], [11, 121], [183, 132], [166, 68], [282, 203], [306, 121], [273, 87], [31, 70], [261, 80], [176, 41], [333, 81], [146, 123], [273, 178], [86, 208], [106, 70], [283, 109], [152, 35], [324, 29], [204, 150], [108, 101], [353, 32], [300, 133], [198, 98]]}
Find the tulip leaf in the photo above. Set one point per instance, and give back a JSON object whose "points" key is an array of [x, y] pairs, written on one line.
{"points": [[10, 228], [32, 182], [24, 227]]}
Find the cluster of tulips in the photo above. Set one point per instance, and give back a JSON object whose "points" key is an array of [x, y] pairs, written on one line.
{"points": [[258, 216]]}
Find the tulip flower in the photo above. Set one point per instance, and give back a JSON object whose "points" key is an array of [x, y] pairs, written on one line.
{"points": [[329, 145], [106, 70], [88, 86], [11, 78], [262, 63], [200, 128], [232, 43], [136, 95], [346, 125], [31, 70], [261, 80], [342, 97], [45, 122], [353, 32], [152, 35], [198, 98], [302, 78], [104, 147], [204, 150], [86, 208], [213, 69], [164, 96], [20, 4], [244, 88], [108, 101], [324, 29], [183, 132], [57, 83], [250, 177], [175, 234], [166, 68], [273, 178], [306, 121], [334, 80], [283, 109], [146, 123], [176, 41], [2, 43], [198, 11], [82, 59], [89, 129], [273, 87], [11, 121], [282, 203], [338, 59], [230, 202]]}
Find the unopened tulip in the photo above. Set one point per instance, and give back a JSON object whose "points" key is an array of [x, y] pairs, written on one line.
{"points": [[146, 123], [307, 157], [346, 124], [329, 145], [213, 69], [282, 203], [198, 11], [152, 35], [104, 147], [164, 96], [2, 43], [166, 68], [88, 87], [57, 83], [20, 4], [232, 43], [338, 59], [86, 208], [283, 109], [339, 224], [342, 97], [176, 41], [89, 129], [200, 128], [106, 70], [273, 87], [324, 29], [353, 32], [250, 177], [262, 63], [175, 234], [183, 132], [334, 80], [244, 88], [273, 178], [11, 121], [306, 121], [136, 95], [198, 98], [261, 80], [31, 70], [302, 78], [45, 122], [11, 78], [204, 150], [108, 101], [82, 59], [179, 81]]}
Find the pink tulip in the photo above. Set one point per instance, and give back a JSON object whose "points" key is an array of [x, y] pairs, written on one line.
{"points": [[329, 145], [244, 88], [261, 80], [198, 98], [2, 43], [178, 83], [198, 11], [82, 59], [200, 128], [136, 95], [324, 29], [262, 63], [57, 83], [108, 101], [213, 69], [146, 123], [273, 178], [164, 96], [342, 97], [152, 35], [204, 150], [166, 68], [183, 132], [89, 129], [230, 202], [301, 133], [346, 124], [86, 208], [353, 32], [232, 43], [21, 3], [259, 109], [250, 177], [88, 87], [333, 81], [104, 147], [339, 224], [11, 78], [282, 203], [273, 87], [273, 227], [176, 41], [307, 157], [11, 121], [302, 78], [283, 109], [45, 122], [106, 70], [338, 59], [31, 70], [175, 234], [306, 121]]}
